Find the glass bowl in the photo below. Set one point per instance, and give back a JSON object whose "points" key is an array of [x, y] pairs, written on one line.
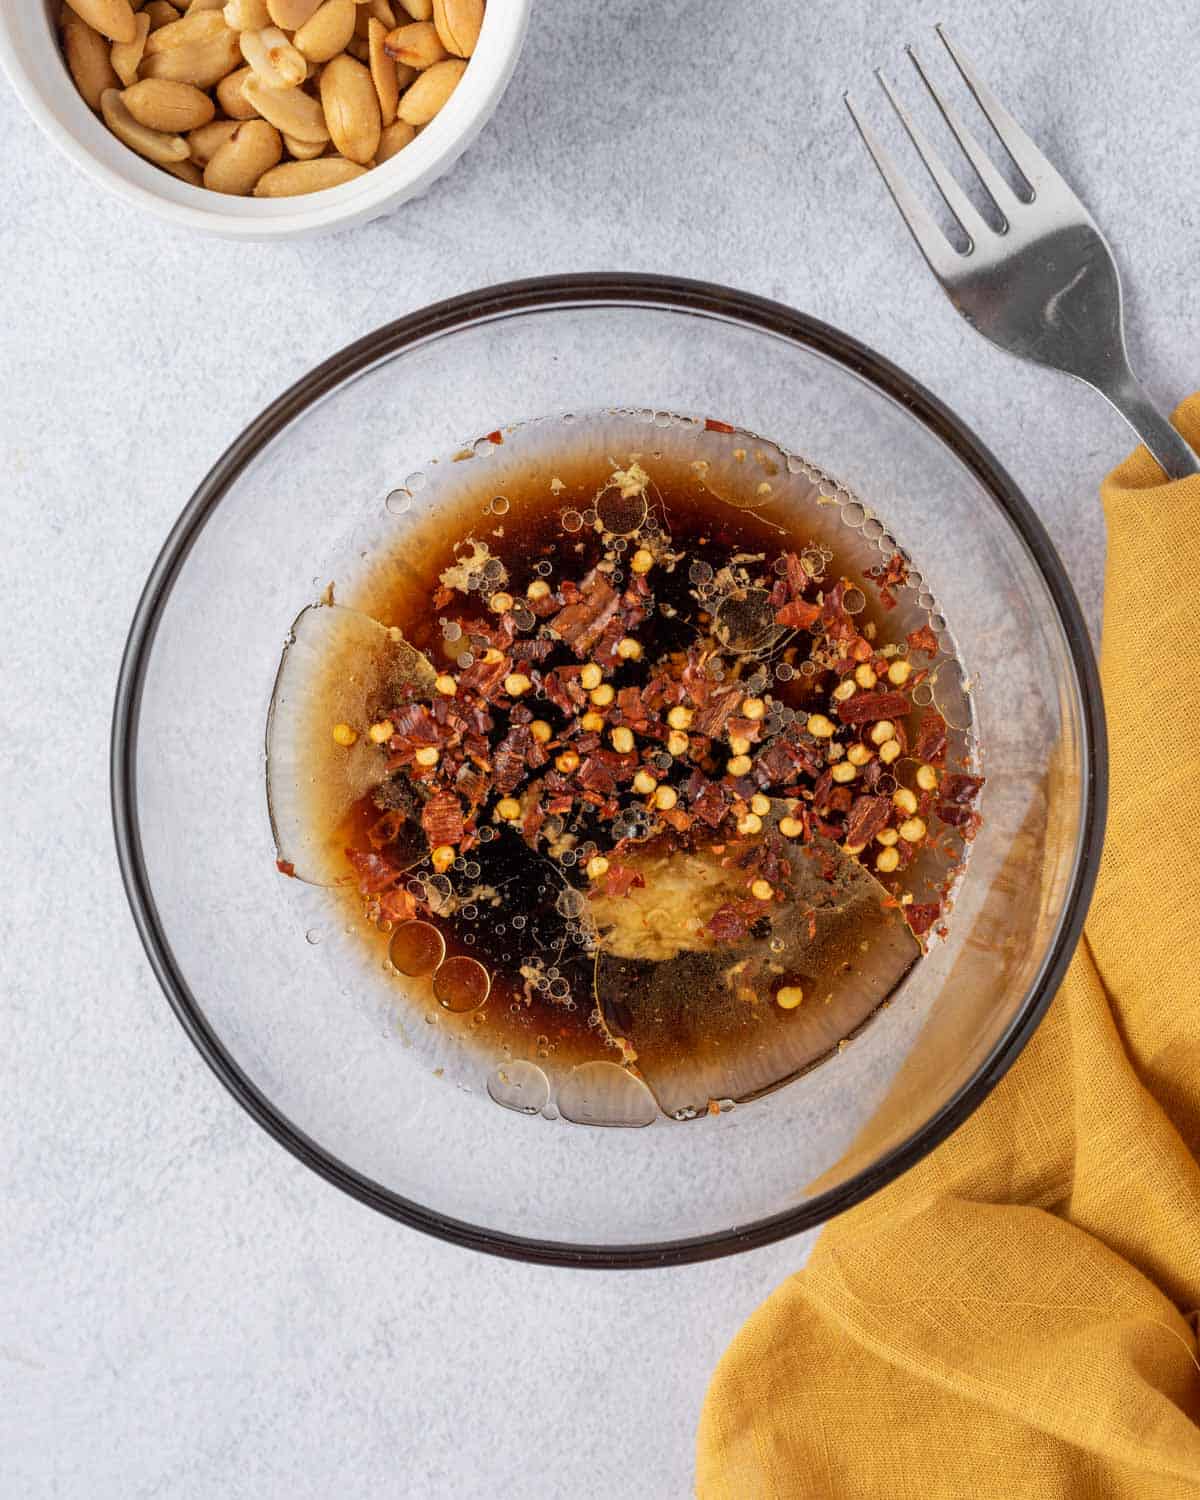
{"points": [[304, 1026]]}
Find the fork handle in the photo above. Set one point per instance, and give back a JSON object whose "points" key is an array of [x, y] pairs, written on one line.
{"points": [[1174, 456]]}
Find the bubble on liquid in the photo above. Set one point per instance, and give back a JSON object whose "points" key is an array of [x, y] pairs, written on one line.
{"points": [[926, 600], [922, 694], [520, 1086], [471, 870], [465, 659], [470, 912], [854, 514], [887, 542], [621, 514], [872, 529], [937, 623], [559, 989], [398, 502], [543, 569], [493, 570], [414, 483], [312, 936], [519, 924], [572, 521], [854, 601], [523, 618], [785, 672], [451, 630], [808, 669], [796, 465], [482, 447], [568, 857], [500, 505]]}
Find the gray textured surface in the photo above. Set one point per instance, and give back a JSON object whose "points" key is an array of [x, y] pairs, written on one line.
{"points": [[184, 1310]]}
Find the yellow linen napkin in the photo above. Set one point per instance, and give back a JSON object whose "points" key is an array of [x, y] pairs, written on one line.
{"points": [[1017, 1315]]}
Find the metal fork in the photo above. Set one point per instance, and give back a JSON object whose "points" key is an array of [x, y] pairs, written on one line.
{"points": [[1045, 286]]}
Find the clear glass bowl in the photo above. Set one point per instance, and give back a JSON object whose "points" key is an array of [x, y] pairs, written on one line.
{"points": [[314, 1040]]}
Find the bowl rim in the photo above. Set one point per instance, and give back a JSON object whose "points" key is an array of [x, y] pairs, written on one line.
{"points": [[406, 175], [546, 293]]}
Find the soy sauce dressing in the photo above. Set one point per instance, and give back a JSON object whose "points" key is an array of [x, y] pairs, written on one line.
{"points": [[523, 914]]}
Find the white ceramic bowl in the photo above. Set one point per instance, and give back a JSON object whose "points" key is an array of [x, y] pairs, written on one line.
{"points": [[32, 58]]}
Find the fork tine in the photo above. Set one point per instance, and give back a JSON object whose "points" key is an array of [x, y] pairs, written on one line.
{"points": [[968, 216], [933, 244], [1029, 161], [992, 180]]}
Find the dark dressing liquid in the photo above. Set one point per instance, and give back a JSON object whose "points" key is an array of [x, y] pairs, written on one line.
{"points": [[501, 948]]}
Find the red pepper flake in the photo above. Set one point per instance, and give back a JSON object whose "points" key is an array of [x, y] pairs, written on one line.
{"points": [[582, 623], [923, 640], [621, 879], [496, 437], [930, 743], [961, 789], [286, 867], [442, 819], [921, 918], [397, 905], [868, 708], [375, 872], [712, 425], [727, 924], [868, 816], [513, 755], [712, 718], [799, 614]]}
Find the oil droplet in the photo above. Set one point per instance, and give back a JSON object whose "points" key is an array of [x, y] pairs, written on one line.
{"points": [[417, 948], [601, 1093], [398, 502], [462, 984]]}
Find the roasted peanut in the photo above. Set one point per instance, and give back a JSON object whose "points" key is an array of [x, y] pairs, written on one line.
{"points": [[397, 135], [230, 96], [186, 171], [351, 108], [166, 106], [127, 56], [295, 177], [291, 14], [327, 30], [419, 103], [199, 26], [417, 45], [273, 58], [458, 24], [161, 13], [419, 10], [247, 15], [204, 143], [381, 11], [290, 110], [252, 149], [202, 63], [111, 18], [304, 150], [154, 145], [89, 60], [383, 72]]}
